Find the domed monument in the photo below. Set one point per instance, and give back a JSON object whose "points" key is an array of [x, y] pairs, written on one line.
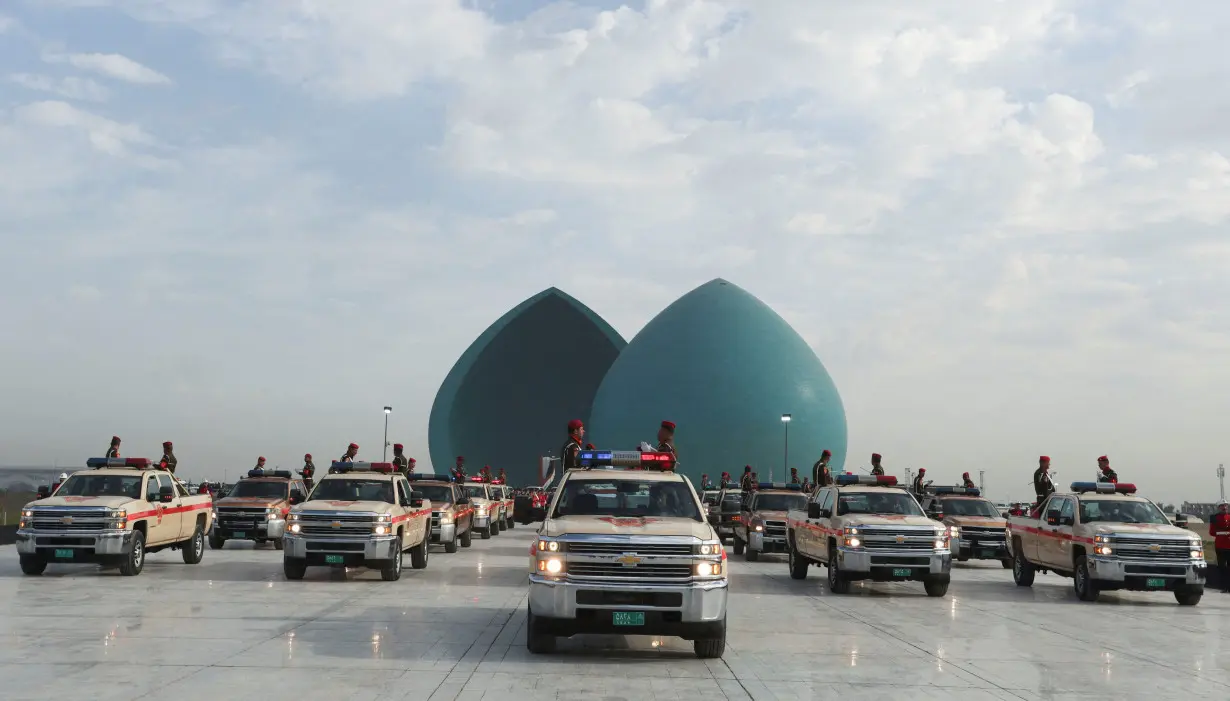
{"points": [[507, 400], [724, 367]]}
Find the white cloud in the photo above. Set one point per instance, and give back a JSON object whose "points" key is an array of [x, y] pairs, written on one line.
{"points": [[113, 66], [71, 87], [105, 135]]}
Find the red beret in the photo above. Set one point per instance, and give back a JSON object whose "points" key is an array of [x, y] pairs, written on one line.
{"points": [[1044, 458], [668, 425], [875, 456], [921, 470], [413, 460], [1103, 459], [574, 425], [460, 458], [115, 439], [260, 459], [827, 453], [965, 474], [398, 446], [166, 444], [307, 456], [353, 445]]}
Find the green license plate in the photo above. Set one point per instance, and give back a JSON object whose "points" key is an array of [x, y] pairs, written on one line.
{"points": [[239, 534], [628, 618], [986, 553], [902, 571], [63, 554], [1155, 583], [334, 560]]}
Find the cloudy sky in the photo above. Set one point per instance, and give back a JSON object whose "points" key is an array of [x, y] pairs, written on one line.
{"points": [[246, 226]]}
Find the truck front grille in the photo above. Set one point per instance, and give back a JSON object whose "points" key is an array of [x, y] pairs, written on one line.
{"points": [[69, 519], [1151, 549], [336, 525], [615, 570], [775, 528], [897, 539], [680, 550]]}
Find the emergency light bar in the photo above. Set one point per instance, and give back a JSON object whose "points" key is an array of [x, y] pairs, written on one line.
{"points": [[98, 463], [386, 467], [968, 491], [626, 458], [779, 485], [418, 477], [257, 472], [879, 480], [1103, 488]]}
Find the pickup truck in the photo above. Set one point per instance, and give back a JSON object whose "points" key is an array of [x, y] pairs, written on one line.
{"points": [[1106, 538], [866, 527], [360, 514], [727, 512], [762, 526], [452, 516], [114, 514], [978, 529], [487, 507], [508, 504], [626, 550], [256, 509]]}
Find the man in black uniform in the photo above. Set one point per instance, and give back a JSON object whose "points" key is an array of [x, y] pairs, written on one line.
{"points": [[459, 470], [967, 482], [568, 453], [400, 463], [918, 481], [820, 474], [876, 467], [308, 471], [1106, 474], [794, 475], [168, 461], [745, 482], [260, 464], [352, 451], [114, 450], [1043, 486], [666, 439]]}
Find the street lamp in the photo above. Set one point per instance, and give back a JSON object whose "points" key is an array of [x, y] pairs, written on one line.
{"points": [[387, 410], [785, 448]]}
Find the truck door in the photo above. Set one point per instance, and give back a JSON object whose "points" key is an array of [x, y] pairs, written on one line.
{"points": [[156, 527], [1063, 544], [1049, 552]]}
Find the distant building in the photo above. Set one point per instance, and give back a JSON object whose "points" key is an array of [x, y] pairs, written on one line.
{"points": [[1204, 510]]}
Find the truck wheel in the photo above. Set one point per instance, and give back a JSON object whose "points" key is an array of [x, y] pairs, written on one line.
{"points": [[467, 538], [418, 555], [278, 544], [1188, 595], [1006, 562], [32, 564], [962, 558], [1022, 570], [451, 546], [485, 533], [798, 563], [216, 541], [1086, 588], [134, 559], [738, 545], [935, 587], [294, 568], [510, 523], [537, 643], [495, 525], [711, 648], [751, 555], [391, 572], [838, 584], [194, 549]]}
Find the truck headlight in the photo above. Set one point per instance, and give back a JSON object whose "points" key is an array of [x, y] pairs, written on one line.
{"points": [[446, 517], [954, 532], [853, 542], [940, 543], [27, 513], [295, 528], [383, 518], [757, 526], [117, 524], [292, 517], [851, 531], [550, 546], [551, 565], [117, 513], [381, 530], [708, 569], [1102, 550], [1197, 554], [1101, 539], [712, 547]]}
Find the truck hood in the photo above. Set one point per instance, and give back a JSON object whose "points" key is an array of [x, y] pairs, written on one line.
{"points": [[378, 507], [881, 520], [110, 502], [1140, 529], [249, 501], [771, 515], [627, 525], [980, 521]]}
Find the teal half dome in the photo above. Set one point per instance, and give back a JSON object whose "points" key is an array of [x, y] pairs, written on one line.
{"points": [[724, 367], [508, 399]]}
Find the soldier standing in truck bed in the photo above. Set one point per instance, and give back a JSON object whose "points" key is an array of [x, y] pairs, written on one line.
{"points": [[400, 463], [666, 439], [114, 450], [820, 474], [168, 461]]}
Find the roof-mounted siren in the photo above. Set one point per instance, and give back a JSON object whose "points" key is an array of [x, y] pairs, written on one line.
{"points": [[779, 485], [100, 463], [648, 460], [385, 467], [877, 480], [421, 477], [967, 491], [1103, 488]]}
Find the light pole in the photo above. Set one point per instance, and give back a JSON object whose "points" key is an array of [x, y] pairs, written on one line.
{"points": [[982, 482], [387, 410], [785, 448], [1221, 480]]}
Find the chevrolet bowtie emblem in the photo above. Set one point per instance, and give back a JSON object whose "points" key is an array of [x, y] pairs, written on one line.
{"points": [[629, 560], [900, 539], [337, 524], [66, 519], [1155, 548]]}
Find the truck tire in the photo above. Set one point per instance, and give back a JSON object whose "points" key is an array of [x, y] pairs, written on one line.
{"points": [[798, 563], [451, 546], [294, 569], [495, 525], [418, 555], [1188, 595], [838, 584], [32, 564], [751, 555], [391, 572], [537, 643], [935, 587], [134, 559], [1006, 562], [485, 533], [1022, 570], [1086, 588], [278, 544], [739, 545], [216, 542], [510, 523], [193, 549], [711, 648], [467, 538]]}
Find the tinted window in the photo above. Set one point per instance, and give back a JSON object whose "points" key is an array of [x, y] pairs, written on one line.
{"points": [[968, 507], [627, 497], [1115, 511], [353, 490], [779, 502], [101, 486], [151, 488], [259, 490], [476, 491], [437, 494], [885, 502]]}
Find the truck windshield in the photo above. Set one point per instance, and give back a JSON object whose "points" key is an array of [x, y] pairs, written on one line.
{"points": [[101, 486], [627, 497], [732, 503], [779, 502], [1115, 511], [710, 498], [260, 490], [435, 493], [351, 490], [886, 502], [969, 507], [476, 491]]}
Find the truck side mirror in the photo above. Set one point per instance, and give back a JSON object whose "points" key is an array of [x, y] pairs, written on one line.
{"points": [[1066, 520], [813, 510], [166, 494], [296, 498], [44, 491], [462, 501], [1052, 517], [416, 499]]}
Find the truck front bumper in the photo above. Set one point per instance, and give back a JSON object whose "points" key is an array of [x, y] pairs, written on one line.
{"points": [[339, 551], [982, 549], [444, 533], [564, 608], [1136, 574], [761, 542], [482, 521], [887, 564], [261, 530], [86, 546]]}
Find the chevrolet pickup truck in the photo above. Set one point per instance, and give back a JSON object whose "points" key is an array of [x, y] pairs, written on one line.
{"points": [[978, 529], [487, 507], [114, 514], [360, 514], [866, 527], [626, 549], [452, 516], [256, 508], [1106, 538], [762, 526], [508, 504]]}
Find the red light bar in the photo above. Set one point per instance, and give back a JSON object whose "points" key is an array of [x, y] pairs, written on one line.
{"points": [[476, 478], [1125, 488], [141, 463], [659, 461]]}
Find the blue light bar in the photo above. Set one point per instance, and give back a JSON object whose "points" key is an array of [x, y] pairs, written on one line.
{"points": [[1103, 488], [421, 477], [968, 491], [879, 480], [780, 485]]}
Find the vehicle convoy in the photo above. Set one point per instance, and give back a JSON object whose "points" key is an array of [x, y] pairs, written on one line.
{"points": [[626, 549], [360, 514], [761, 527], [530, 505], [1105, 538], [452, 516], [504, 495], [727, 512], [866, 527], [486, 505], [256, 508], [977, 528], [114, 514]]}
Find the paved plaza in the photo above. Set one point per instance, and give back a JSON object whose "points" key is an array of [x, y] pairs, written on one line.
{"points": [[231, 627]]}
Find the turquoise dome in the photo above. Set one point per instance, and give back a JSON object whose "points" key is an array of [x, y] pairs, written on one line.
{"points": [[724, 367]]}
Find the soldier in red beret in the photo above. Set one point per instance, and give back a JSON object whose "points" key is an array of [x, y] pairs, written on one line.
{"points": [[569, 452], [168, 461], [410, 463], [820, 474], [503, 476], [260, 463], [308, 471], [1105, 474], [876, 467], [400, 462], [666, 439], [114, 450], [352, 452], [1043, 485], [726, 481], [459, 469], [967, 482]]}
